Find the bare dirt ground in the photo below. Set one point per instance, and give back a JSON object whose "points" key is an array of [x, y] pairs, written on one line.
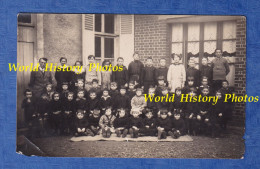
{"points": [[231, 145]]}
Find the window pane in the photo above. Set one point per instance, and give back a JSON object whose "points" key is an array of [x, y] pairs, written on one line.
{"points": [[193, 32], [177, 48], [177, 33], [210, 31], [109, 23], [109, 47], [98, 22], [229, 30], [229, 48], [24, 18], [98, 46]]}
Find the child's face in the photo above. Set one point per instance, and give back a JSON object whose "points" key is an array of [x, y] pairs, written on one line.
{"points": [[162, 62], [48, 88], [64, 87], [163, 116], [224, 84], [178, 92], [191, 93], [122, 113], [190, 82], [161, 82], [165, 92], [122, 91], [218, 53], [78, 64], [56, 97], [192, 63], [80, 115], [70, 97], [105, 93], [135, 114], [106, 63], [95, 84], [204, 82], [91, 60], [92, 96], [96, 113], [80, 84], [120, 62], [204, 61], [108, 112], [81, 94], [218, 95], [28, 95], [149, 115], [177, 116], [138, 93], [63, 62], [113, 87], [205, 92], [149, 62], [176, 59], [136, 57], [151, 92], [44, 97], [131, 86]]}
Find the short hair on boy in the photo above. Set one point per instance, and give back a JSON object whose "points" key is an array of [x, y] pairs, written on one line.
{"points": [[55, 93], [177, 89], [139, 89], [135, 53], [65, 83], [63, 58], [94, 81], [43, 58], [205, 57], [131, 82], [193, 89], [225, 81], [91, 91], [105, 90], [113, 83], [26, 90], [120, 58], [48, 83], [80, 80], [70, 93], [91, 56], [78, 62], [109, 107], [81, 90]]}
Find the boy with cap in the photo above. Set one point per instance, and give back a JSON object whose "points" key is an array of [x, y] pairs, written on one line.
{"points": [[164, 124]]}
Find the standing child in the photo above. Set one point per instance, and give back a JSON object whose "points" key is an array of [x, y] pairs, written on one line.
{"points": [[178, 126], [162, 70], [149, 124], [106, 123], [135, 123], [121, 123], [164, 124], [205, 70], [106, 75], [176, 75], [138, 101], [193, 72], [56, 113], [81, 123], [122, 101], [135, 69], [105, 101], [120, 77], [148, 75], [69, 109]]}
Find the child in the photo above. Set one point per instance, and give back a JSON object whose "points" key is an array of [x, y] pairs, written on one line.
{"points": [[81, 101], [178, 126], [92, 73], [113, 91], [106, 123], [49, 91], [151, 104], [96, 87], [122, 101], [163, 124], [177, 105], [135, 69], [81, 123], [164, 104], [149, 124], [193, 72], [93, 102], [204, 83], [106, 75], [105, 101], [191, 111], [56, 115], [135, 123], [120, 77], [121, 123], [148, 75], [176, 75], [131, 90], [138, 101], [160, 86], [94, 122], [162, 70], [205, 70], [69, 109], [217, 113], [76, 74], [64, 91], [80, 87], [190, 84]]}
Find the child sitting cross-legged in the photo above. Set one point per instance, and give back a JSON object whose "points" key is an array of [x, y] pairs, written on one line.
{"points": [[149, 124], [163, 124], [106, 123], [178, 126], [81, 123], [121, 123], [94, 121], [135, 123]]}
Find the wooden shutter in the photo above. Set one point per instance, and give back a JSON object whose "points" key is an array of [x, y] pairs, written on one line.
{"points": [[127, 37], [88, 38]]}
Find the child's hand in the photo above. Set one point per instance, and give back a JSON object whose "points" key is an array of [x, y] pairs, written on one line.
{"points": [[178, 131], [147, 126], [79, 130], [169, 114], [206, 120], [162, 129], [33, 115], [126, 85], [190, 116], [198, 117], [45, 114], [220, 114], [67, 112], [29, 100]]}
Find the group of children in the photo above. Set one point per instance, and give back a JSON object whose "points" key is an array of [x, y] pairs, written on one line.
{"points": [[119, 105]]}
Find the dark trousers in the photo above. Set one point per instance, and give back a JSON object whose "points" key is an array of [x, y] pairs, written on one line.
{"points": [[148, 131], [133, 132], [216, 85]]}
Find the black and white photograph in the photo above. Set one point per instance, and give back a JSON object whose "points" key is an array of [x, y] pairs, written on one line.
{"points": [[131, 86]]}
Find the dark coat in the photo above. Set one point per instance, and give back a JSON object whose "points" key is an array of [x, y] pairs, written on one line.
{"points": [[179, 125], [137, 122], [206, 71], [193, 72], [81, 104], [161, 71], [121, 122], [122, 102], [164, 123], [62, 76], [120, 77], [135, 68], [148, 75], [29, 109]]}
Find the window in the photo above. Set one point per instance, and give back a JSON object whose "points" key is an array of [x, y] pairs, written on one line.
{"points": [[24, 18], [105, 37]]}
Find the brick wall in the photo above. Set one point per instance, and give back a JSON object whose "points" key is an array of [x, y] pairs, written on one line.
{"points": [[240, 72], [151, 38]]}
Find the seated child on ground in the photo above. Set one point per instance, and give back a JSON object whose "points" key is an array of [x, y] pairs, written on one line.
{"points": [[163, 124], [94, 121], [81, 123], [135, 123], [149, 124], [178, 126], [121, 124], [106, 123]]}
